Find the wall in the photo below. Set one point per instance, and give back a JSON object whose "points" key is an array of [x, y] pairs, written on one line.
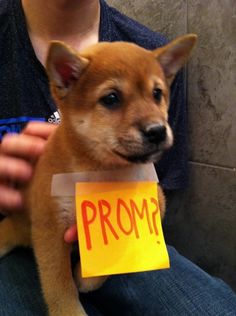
{"points": [[202, 221]]}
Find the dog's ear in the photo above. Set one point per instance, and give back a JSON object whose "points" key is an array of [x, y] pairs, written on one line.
{"points": [[64, 67], [175, 54]]}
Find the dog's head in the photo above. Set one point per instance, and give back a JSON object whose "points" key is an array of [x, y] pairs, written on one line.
{"points": [[114, 97]]}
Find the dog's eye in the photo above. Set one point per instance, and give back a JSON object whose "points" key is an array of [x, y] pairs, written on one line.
{"points": [[157, 94], [110, 100]]}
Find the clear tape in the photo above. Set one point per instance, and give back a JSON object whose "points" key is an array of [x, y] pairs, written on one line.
{"points": [[63, 184]]}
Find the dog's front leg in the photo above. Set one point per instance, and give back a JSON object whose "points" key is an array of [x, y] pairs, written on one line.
{"points": [[53, 258]]}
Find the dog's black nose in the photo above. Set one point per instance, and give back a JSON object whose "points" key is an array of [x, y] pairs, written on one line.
{"points": [[155, 133]]}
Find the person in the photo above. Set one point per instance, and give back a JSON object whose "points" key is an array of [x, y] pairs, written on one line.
{"points": [[25, 31]]}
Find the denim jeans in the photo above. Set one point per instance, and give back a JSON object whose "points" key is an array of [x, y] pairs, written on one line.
{"points": [[184, 289]]}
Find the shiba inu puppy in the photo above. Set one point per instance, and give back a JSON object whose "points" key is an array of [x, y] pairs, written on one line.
{"points": [[114, 99]]}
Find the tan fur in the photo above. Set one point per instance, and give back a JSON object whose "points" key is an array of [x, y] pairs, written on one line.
{"points": [[91, 137]]}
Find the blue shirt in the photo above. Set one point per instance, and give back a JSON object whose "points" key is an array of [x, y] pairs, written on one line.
{"points": [[24, 88]]}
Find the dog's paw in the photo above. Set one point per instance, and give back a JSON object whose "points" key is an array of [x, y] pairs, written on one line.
{"points": [[87, 284], [3, 251], [4, 241], [90, 284]]}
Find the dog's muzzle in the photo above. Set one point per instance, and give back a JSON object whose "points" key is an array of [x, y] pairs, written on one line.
{"points": [[154, 137]]}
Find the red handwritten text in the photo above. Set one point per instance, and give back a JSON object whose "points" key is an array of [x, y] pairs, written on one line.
{"points": [[128, 215]]}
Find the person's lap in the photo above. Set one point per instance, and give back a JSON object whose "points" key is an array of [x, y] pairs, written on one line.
{"points": [[184, 289]]}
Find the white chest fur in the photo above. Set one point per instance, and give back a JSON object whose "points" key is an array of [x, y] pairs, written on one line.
{"points": [[66, 210]]}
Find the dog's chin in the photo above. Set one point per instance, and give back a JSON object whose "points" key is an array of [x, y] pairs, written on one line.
{"points": [[147, 157]]}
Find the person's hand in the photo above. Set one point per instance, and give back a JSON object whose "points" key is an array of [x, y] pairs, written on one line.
{"points": [[18, 154], [70, 235]]}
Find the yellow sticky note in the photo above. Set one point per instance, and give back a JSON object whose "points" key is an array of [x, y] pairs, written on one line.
{"points": [[119, 228]]}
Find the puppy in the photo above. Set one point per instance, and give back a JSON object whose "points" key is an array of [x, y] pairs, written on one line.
{"points": [[113, 98]]}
